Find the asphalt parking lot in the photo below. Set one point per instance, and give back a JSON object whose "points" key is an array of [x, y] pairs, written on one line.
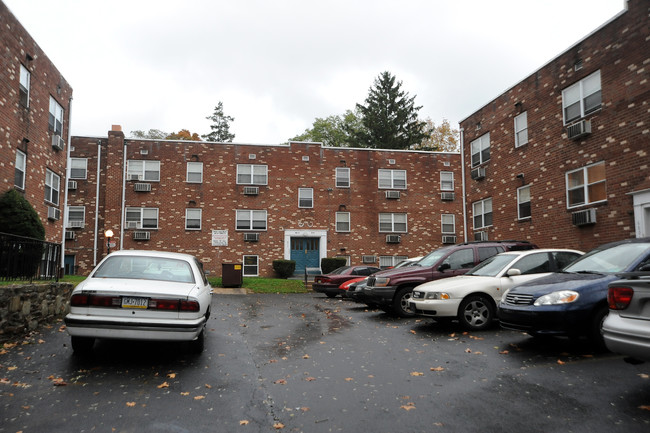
{"points": [[306, 363]]}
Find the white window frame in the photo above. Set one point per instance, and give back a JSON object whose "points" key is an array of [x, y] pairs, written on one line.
{"points": [[78, 164], [249, 216], [480, 149], [194, 173], [343, 220], [447, 220], [25, 84], [143, 214], [393, 220], [585, 186], [193, 214], [247, 266], [55, 119], [391, 179], [52, 186], [446, 181], [523, 197], [305, 198], [20, 169], [579, 93], [73, 211], [254, 177], [521, 129], [148, 170], [481, 209], [342, 177], [390, 261]]}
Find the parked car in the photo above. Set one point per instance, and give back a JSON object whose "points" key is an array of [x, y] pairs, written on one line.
{"points": [[407, 262], [573, 302], [141, 295], [626, 330], [391, 289], [329, 283], [472, 298]]}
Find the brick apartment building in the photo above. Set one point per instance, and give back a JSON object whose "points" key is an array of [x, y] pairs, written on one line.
{"points": [[238, 203], [34, 124], [562, 158]]}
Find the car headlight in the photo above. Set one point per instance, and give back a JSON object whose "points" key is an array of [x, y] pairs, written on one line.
{"points": [[381, 281], [437, 295], [557, 298]]}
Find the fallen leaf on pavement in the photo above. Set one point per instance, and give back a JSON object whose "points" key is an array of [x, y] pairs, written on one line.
{"points": [[280, 382], [437, 369], [278, 426], [644, 407], [504, 352], [416, 373], [349, 379], [243, 422], [199, 397], [408, 406], [130, 403], [559, 361], [171, 375], [163, 385], [310, 379], [644, 376]]}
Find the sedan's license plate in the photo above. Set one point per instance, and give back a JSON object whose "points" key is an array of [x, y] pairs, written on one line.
{"points": [[128, 302]]}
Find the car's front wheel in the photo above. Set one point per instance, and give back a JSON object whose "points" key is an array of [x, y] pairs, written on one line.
{"points": [[401, 302], [475, 313], [82, 345]]}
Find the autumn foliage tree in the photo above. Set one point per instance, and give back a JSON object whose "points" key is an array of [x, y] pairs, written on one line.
{"points": [[183, 134], [441, 138]]}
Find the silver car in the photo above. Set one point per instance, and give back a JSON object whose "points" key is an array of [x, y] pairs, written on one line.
{"points": [[626, 330]]}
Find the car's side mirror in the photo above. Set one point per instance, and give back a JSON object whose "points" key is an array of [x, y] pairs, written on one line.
{"points": [[444, 267], [513, 272]]}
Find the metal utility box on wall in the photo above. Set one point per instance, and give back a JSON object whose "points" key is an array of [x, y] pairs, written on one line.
{"points": [[231, 274]]}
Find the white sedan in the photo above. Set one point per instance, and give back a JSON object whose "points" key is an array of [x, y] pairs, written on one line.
{"points": [[472, 297], [141, 295]]}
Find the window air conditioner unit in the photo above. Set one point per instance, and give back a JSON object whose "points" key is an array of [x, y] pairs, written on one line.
{"points": [[53, 213], [141, 236], [142, 187], [481, 236], [251, 237], [369, 259], [584, 217], [57, 142], [579, 129], [478, 173], [132, 224], [447, 196], [251, 190], [144, 151], [75, 224], [69, 236], [72, 184], [449, 239], [392, 194], [393, 239], [134, 177]]}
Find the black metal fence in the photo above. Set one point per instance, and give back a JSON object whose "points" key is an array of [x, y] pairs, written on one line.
{"points": [[23, 258]]}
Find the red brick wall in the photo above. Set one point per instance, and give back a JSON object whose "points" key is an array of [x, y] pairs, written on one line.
{"points": [[620, 137]]}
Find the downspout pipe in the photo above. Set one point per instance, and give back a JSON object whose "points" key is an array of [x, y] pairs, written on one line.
{"points": [[123, 210], [65, 185], [97, 189], [464, 192]]}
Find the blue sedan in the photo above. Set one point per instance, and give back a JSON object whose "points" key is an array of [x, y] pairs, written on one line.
{"points": [[573, 302]]}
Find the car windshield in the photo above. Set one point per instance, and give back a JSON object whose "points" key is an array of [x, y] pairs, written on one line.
{"points": [[340, 270], [433, 257], [492, 266], [615, 259], [146, 268]]}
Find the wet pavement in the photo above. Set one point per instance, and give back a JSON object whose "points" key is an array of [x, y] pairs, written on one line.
{"points": [[306, 363]]}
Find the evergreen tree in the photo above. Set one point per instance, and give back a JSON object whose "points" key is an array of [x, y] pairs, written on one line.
{"points": [[390, 117], [220, 126], [333, 131], [18, 217]]}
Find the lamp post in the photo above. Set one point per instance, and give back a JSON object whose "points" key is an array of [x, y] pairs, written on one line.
{"points": [[109, 234]]}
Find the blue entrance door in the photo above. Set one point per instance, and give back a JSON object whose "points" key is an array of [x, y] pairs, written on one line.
{"points": [[305, 253]]}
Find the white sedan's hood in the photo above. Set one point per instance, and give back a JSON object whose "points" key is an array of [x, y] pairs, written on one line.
{"points": [[135, 287], [461, 281]]}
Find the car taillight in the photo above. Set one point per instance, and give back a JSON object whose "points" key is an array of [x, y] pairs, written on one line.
{"points": [[84, 300], [192, 306], [619, 298], [174, 305], [79, 300]]}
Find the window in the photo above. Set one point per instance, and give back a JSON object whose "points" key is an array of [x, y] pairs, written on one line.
{"points": [[447, 180], [251, 266], [248, 174], [143, 170], [523, 202], [76, 216], [586, 185], [194, 172], [448, 223], [392, 222], [52, 186], [342, 177], [521, 129], [25, 77], [481, 150], [342, 221], [78, 168], [251, 220], [142, 217], [534, 264], [564, 258], [390, 261], [394, 179], [305, 197], [55, 120], [482, 213], [193, 219], [581, 98], [461, 259], [19, 171], [487, 252]]}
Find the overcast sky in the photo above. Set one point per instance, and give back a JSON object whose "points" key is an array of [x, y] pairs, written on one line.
{"points": [[277, 65]]}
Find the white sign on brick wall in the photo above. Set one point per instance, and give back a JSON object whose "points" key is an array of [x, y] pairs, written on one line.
{"points": [[219, 238]]}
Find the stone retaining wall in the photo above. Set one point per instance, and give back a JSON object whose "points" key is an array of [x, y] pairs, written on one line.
{"points": [[24, 307]]}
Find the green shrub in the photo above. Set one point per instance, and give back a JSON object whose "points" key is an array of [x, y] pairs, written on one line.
{"points": [[284, 268], [328, 264], [18, 217]]}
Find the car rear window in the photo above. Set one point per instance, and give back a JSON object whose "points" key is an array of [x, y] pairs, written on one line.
{"points": [[485, 252], [146, 268]]}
